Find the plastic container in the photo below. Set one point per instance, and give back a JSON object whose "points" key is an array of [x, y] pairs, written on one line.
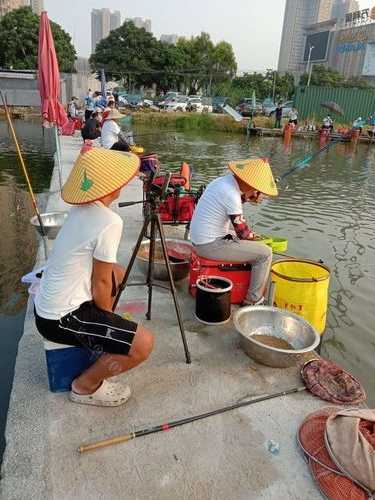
{"points": [[239, 274], [279, 244], [302, 287], [213, 305]]}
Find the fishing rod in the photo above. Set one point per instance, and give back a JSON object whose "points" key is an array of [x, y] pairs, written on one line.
{"points": [[301, 164], [23, 165], [177, 423]]}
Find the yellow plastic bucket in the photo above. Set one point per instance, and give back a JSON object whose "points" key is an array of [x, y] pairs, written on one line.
{"points": [[302, 287]]}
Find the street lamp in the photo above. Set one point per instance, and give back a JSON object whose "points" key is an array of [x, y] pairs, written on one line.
{"points": [[309, 65]]}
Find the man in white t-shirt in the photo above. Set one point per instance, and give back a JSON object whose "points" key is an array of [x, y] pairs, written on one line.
{"points": [[112, 137], [81, 279], [219, 212]]}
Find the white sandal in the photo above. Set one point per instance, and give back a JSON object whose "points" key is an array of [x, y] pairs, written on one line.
{"points": [[108, 394]]}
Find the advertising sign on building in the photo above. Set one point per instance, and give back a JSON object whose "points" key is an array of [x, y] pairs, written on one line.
{"points": [[319, 44], [369, 64]]}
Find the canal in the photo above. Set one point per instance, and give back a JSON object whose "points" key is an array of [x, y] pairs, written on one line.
{"points": [[326, 211], [18, 240]]}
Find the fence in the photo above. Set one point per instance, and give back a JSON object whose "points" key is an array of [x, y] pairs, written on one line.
{"points": [[354, 102]]}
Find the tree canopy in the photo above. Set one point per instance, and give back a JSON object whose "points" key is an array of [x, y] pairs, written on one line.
{"points": [[263, 84], [19, 36], [138, 58], [321, 76]]}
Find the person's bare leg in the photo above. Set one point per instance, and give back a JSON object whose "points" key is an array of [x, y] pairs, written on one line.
{"points": [[109, 365]]}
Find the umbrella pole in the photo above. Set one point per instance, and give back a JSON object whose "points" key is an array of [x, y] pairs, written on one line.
{"points": [[58, 155], [24, 169]]}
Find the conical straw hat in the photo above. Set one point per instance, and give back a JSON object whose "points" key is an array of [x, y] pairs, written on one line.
{"points": [[256, 173], [98, 173], [114, 114]]}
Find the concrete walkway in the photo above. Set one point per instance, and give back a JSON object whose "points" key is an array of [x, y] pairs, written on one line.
{"points": [[224, 457]]}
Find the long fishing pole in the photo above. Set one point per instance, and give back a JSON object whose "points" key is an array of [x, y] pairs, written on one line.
{"points": [[176, 423], [301, 164], [23, 165]]}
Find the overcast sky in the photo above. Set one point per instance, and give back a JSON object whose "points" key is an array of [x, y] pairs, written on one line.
{"points": [[253, 27]]}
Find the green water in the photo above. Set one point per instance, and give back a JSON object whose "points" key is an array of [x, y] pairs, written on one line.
{"points": [[326, 211], [18, 241]]}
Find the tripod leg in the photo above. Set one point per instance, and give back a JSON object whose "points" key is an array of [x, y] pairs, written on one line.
{"points": [[131, 263], [173, 288], [150, 274]]}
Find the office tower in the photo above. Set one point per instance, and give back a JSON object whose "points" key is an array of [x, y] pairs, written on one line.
{"points": [[171, 39], [102, 22], [343, 7], [37, 6], [9, 5], [139, 22], [298, 15]]}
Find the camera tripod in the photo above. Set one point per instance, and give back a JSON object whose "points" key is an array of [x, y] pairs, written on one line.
{"points": [[153, 223]]}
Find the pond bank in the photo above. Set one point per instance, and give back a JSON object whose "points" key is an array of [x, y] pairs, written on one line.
{"points": [[222, 457]]}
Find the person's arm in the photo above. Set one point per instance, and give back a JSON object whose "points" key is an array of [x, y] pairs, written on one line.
{"points": [[104, 257], [101, 284], [243, 231]]}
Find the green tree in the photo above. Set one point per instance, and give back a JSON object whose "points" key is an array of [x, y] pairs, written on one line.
{"points": [[19, 35], [129, 53], [323, 77], [172, 67]]}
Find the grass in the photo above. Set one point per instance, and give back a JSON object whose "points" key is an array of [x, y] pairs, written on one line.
{"points": [[190, 121]]}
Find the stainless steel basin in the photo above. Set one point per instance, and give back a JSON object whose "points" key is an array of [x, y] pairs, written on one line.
{"points": [[52, 222], [271, 321], [179, 269]]}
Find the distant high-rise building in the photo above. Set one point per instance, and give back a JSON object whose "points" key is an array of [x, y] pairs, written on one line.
{"points": [[37, 6], [9, 5], [298, 15], [342, 7], [139, 22], [102, 22], [171, 39]]}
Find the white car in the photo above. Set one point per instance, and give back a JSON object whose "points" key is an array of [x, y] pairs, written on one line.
{"points": [[176, 104], [199, 105]]}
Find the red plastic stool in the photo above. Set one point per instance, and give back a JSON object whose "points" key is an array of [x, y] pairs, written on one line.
{"points": [[238, 273]]}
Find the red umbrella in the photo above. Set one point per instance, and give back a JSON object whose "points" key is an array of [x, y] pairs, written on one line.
{"points": [[49, 76]]}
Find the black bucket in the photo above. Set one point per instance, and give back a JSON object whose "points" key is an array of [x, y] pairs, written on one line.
{"points": [[212, 305]]}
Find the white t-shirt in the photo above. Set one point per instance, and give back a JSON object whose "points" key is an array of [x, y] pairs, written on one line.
{"points": [[90, 231], [110, 132], [221, 199]]}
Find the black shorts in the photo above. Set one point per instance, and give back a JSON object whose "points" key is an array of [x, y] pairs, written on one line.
{"points": [[90, 327]]}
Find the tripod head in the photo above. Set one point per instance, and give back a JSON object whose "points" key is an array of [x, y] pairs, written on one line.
{"points": [[155, 194]]}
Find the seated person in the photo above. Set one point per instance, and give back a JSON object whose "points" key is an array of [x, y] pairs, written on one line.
{"points": [[358, 124], [327, 123], [91, 129], [80, 282], [111, 105], [112, 137], [220, 208]]}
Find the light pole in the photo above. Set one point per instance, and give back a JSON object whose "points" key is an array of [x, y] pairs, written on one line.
{"points": [[309, 65]]}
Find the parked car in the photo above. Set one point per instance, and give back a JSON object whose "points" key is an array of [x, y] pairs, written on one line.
{"points": [[168, 97], [218, 103], [199, 104], [287, 107], [268, 106], [246, 107], [178, 103]]}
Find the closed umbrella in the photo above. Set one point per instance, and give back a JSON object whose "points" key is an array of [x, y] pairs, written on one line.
{"points": [[254, 101], [53, 112], [103, 85], [332, 106]]}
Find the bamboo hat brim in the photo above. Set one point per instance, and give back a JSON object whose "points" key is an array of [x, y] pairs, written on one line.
{"points": [[98, 173], [256, 173], [114, 114]]}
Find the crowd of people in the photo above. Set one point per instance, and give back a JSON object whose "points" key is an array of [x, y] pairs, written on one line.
{"points": [[100, 120]]}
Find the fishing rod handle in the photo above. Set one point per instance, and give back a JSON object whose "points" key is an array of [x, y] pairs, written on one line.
{"points": [[106, 442]]}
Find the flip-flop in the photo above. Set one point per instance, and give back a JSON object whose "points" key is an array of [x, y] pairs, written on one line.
{"points": [[108, 394]]}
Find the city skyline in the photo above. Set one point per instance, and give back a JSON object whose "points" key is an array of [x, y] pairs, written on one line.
{"points": [[264, 17]]}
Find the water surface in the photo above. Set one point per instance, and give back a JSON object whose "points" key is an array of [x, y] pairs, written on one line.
{"points": [[18, 241]]}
